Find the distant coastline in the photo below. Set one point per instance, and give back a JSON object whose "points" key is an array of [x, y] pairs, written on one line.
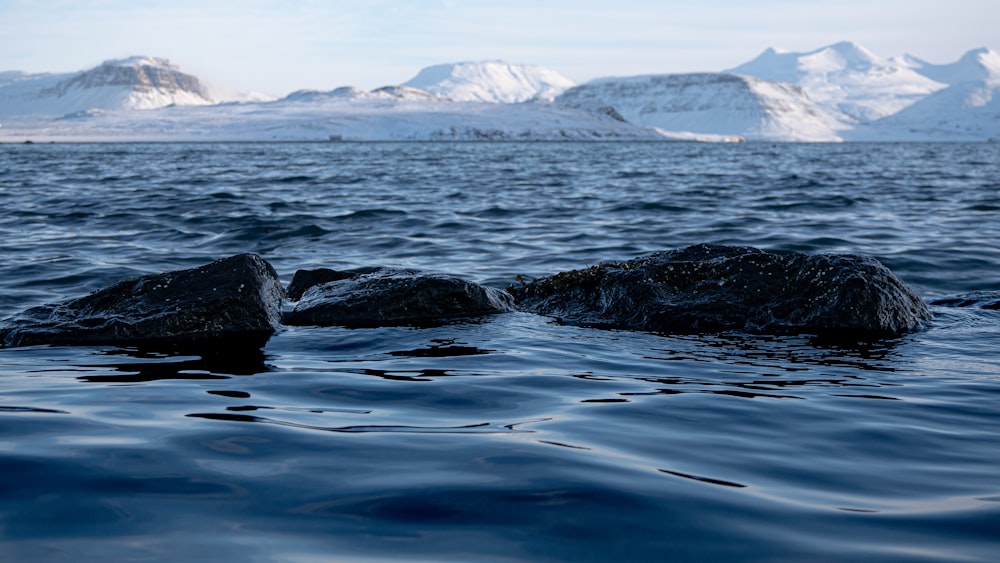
{"points": [[841, 92]]}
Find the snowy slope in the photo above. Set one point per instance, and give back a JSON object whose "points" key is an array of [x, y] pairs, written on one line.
{"points": [[490, 81], [374, 117], [347, 93], [311, 96], [978, 65], [22, 93], [719, 104], [847, 78], [134, 83], [967, 110]]}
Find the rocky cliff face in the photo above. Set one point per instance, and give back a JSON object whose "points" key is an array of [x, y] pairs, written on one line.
{"points": [[135, 83], [141, 75]]}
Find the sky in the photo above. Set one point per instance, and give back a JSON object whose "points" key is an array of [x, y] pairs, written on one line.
{"points": [[278, 46]]}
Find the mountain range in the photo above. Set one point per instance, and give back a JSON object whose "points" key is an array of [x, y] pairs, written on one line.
{"points": [[835, 93]]}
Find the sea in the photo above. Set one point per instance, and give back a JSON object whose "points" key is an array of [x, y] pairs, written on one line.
{"points": [[510, 437]]}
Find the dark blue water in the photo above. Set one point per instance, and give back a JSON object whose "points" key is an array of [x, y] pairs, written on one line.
{"points": [[510, 438]]}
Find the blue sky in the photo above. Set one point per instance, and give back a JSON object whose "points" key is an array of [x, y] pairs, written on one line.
{"points": [[277, 46]]}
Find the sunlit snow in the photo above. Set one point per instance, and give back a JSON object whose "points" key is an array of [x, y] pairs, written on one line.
{"points": [[839, 92]]}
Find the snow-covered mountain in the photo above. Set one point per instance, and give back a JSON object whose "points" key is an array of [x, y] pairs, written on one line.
{"points": [[838, 92], [318, 96], [101, 103], [490, 81], [978, 65], [352, 93], [846, 78], [719, 104], [133, 83], [967, 110]]}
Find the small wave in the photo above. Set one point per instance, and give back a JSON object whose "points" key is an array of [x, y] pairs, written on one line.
{"points": [[632, 174], [4, 409], [343, 180], [371, 214], [703, 479], [649, 207], [441, 352], [476, 428], [277, 231], [984, 207]]}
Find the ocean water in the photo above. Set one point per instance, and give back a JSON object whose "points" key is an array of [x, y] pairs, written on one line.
{"points": [[507, 438]]}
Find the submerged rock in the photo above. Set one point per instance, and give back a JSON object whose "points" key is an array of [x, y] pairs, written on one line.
{"points": [[392, 297], [237, 299], [710, 288]]}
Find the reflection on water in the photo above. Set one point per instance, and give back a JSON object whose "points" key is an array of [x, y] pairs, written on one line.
{"points": [[146, 365]]}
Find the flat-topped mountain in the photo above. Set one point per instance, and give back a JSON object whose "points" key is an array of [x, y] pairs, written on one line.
{"points": [[133, 83], [709, 103]]}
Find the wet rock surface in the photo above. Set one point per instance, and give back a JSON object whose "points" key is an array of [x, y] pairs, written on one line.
{"points": [[711, 288], [698, 289], [393, 297], [304, 279], [236, 299]]}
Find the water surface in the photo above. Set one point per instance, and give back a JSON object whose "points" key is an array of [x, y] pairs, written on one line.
{"points": [[512, 437]]}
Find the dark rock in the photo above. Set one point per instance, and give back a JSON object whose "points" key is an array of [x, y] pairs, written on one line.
{"points": [[979, 300], [709, 288], [395, 297], [236, 299], [304, 279]]}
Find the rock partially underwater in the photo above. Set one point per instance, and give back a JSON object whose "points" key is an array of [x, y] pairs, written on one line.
{"points": [[710, 288], [236, 299], [388, 297], [698, 289]]}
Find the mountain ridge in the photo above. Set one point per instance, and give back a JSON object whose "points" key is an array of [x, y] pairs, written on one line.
{"points": [[982, 64], [845, 78], [838, 92]]}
